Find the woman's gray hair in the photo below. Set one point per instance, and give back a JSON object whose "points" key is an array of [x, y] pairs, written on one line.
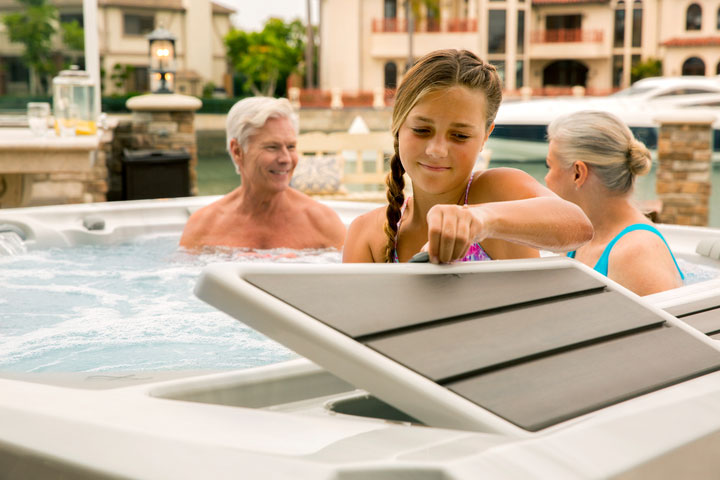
{"points": [[603, 142], [250, 114]]}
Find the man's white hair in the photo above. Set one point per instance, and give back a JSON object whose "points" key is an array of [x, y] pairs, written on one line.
{"points": [[250, 114]]}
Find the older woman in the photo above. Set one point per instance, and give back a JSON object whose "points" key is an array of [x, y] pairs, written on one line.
{"points": [[593, 161]]}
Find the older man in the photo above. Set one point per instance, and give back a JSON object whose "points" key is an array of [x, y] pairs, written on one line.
{"points": [[264, 212]]}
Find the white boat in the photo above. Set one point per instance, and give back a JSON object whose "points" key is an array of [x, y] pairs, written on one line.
{"points": [[511, 369], [521, 126]]}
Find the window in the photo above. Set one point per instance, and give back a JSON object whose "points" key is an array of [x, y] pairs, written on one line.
{"points": [[693, 66], [619, 34], [563, 22], [617, 70], [496, 31], [521, 31], [718, 19], [17, 70], [717, 69], [140, 79], [637, 25], [693, 18], [71, 17], [685, 91], [138, 24], [519, 69], [390, 75], [500, 66], [390, 9]]}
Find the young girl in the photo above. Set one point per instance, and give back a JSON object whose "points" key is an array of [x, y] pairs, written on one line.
{"points": [[444, 112], [593, 161]]}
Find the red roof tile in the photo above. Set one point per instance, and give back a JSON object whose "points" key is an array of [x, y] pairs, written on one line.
{"points": [[692, 42]]}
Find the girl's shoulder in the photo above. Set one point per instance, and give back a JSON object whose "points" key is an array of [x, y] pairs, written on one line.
{"points": [[504, 183], [366, 239]]}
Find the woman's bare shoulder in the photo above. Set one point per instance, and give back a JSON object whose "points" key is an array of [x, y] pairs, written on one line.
{"points": [[641, 261]]}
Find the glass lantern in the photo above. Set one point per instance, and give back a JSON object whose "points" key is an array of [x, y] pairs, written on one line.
{"points": [[162, 61]]}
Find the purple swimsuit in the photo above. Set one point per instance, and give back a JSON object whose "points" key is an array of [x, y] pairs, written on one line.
{"points": [[475, 253]]}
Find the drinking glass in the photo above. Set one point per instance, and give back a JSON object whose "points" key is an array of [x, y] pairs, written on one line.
{"points": [[38, 114]]}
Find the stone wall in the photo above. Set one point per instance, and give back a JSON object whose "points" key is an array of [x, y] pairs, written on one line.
{"points": [[158, 122], [684, 170], [75, 187]]}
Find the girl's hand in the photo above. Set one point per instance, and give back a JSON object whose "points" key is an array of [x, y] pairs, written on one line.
{"points": [[452, 229]]}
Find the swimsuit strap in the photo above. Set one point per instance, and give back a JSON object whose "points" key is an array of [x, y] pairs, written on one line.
{"points": [[603, 262], [467, 189]]}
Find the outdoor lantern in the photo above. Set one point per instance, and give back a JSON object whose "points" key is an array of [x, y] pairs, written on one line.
{"points": [[162, 61]]}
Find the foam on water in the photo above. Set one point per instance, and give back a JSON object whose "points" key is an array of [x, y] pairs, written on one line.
{"points": [[126, 307], [695, 273]]}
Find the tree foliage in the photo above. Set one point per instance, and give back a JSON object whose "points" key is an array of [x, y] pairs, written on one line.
{"points": [[34, 27], [652, 67], [265, 59], [73, 35]]}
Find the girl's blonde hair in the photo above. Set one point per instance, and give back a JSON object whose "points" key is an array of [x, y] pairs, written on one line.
{"points": [[438, 70], [603, 142]]}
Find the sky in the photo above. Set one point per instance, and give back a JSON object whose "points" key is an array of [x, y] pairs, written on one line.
{"points": [[252, 14]]}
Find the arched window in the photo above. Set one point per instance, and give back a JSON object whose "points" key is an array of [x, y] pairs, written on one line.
{"points": [[718, 19], [717, 69], [693, 18], [390, 75], [693, 66]]}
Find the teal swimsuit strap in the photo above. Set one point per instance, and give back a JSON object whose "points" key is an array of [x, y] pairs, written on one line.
{"points": [[602, 263]]}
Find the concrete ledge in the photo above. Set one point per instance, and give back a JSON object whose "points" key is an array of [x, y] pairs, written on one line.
{"points": [[686, 118], [168, 102]]}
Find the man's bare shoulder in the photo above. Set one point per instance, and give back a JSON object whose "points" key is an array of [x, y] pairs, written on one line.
{"points": [[201, 222]]}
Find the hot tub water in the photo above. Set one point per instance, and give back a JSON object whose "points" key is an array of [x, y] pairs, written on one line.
{"points": [[126, 307]]}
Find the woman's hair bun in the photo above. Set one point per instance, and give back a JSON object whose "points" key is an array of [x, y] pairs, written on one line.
{"points": [[639, 160]]}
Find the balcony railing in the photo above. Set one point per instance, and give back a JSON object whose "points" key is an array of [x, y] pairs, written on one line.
{"points": [[567, 35], [398, 25]]}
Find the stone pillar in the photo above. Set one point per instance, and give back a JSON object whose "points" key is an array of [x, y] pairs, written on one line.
{"points": [[164, 122], [684, 169]]}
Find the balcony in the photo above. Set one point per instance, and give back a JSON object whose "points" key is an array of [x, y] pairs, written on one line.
{"points": [[558, 43], [450, 25], [389, 39], [567, 35]]}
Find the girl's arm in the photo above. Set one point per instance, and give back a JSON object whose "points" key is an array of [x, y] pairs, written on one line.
{"points": [[511, 206]]}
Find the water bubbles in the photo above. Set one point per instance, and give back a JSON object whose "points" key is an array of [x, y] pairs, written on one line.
{"points": [[127, 307]]}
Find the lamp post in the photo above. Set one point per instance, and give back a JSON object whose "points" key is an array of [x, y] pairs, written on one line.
{"points": [[162, 61]]}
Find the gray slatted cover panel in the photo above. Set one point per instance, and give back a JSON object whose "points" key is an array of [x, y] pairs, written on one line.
{"points": [[536, 346], [692, 307], [538, 394], [482, 341], [366, 304], [707, 321]]}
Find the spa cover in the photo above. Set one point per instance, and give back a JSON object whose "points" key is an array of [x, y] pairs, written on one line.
{"points": [[506, 346]]}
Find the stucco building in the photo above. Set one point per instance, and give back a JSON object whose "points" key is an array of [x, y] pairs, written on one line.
{"points": [[198, 25], [543, 44]]}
